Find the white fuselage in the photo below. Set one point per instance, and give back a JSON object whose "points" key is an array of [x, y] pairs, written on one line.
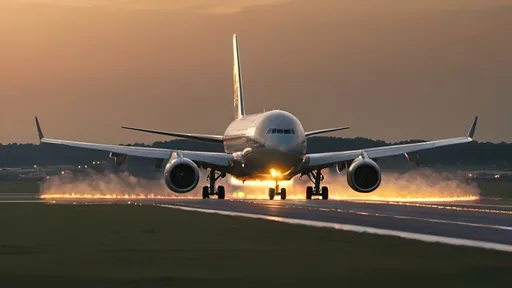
{"points": [[270, 140]]}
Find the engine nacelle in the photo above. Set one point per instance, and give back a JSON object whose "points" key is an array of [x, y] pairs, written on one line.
{"points": [[364, 175], [119, 159], [181, 175]]}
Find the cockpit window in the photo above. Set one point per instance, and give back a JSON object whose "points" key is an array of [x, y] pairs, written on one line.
{"points": [[280, 131]]}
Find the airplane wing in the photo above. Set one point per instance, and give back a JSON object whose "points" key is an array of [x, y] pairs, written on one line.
{"points": [[324, 160], [207, 159], [200, 137], [311, 133]]}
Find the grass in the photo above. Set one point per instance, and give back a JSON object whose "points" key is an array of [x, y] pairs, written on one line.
{"points": [[144, 246], [495, 188], [19, 187]]}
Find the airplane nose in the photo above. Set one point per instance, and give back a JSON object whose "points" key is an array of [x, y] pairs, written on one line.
{"points": [[284, 148]]}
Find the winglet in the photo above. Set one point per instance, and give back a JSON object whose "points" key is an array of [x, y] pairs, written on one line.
{"points": [[39, 131], [237, 81], [471, 132]]}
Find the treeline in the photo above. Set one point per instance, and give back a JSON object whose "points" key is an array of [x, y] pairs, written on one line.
{"points": [[471, 154]]}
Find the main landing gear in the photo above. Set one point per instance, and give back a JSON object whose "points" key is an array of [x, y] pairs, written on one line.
{"points": [[316, 177], [272, 192], [210, 190]]}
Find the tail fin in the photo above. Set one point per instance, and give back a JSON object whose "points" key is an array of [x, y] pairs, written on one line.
{"points": [[237, 81]]}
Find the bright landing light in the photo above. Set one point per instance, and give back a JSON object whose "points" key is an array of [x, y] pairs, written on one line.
{"points": [[275, 173]]}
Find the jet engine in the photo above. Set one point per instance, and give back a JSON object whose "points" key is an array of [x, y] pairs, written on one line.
{"points": [[119, 159], [364, 175], [181, 175]]}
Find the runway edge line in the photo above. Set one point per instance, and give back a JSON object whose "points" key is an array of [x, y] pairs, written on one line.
{"points": [[356, 228]]}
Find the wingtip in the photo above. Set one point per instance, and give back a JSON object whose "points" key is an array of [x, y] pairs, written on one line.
{"points": [[39, 130], [129, 128], [472, 130]]}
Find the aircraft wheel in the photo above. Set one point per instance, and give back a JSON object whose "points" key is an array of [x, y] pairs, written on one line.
{"points": [[221, 192], [283, 193], [271, 193], [206, 192], [309, 192], [325, 192]]}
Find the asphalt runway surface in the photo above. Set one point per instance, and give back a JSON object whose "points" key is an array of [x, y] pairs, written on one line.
{"points": [[489, 223], [486, 221]]}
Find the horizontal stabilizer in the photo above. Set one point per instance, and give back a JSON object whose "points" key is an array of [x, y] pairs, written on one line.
{"points": [[316, 132], [199, 137]]}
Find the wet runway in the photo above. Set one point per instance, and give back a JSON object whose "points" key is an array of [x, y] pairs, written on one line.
{"points": [[485, 221], [480, 222]]}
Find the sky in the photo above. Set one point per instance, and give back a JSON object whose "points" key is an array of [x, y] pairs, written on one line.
{"points": [[391, 70]]}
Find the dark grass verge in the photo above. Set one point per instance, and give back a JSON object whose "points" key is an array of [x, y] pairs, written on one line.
{"points": [[144, 246], [495, 189], [19, 187]]}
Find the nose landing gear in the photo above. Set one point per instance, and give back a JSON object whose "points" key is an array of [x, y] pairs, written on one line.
{"points": [[272, 192], [316, 177], [210, 190]]}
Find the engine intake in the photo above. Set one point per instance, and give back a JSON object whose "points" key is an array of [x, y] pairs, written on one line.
{"points": [[181, 175], [364, 175]]}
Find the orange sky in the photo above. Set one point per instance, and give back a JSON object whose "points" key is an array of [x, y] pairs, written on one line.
{"points": [[407, 69]]}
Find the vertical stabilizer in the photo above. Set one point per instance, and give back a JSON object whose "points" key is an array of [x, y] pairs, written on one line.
{"points": [[237, 81]]}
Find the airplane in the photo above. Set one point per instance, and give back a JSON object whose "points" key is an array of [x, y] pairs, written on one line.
{"points": [[264, 146]]}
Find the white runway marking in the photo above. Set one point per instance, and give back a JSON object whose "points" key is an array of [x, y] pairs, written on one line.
{"points": [[392, 216], [361, 229]]}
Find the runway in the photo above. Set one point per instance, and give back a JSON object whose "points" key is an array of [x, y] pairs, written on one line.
{"points": [[489, 222], [471, 222]]}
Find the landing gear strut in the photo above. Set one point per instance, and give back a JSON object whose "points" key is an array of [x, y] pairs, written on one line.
{"points": [[316, 177], [210, 190], [276, 191]]}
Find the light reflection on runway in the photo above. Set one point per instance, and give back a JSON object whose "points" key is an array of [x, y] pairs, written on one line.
{"points": [[472, 220]]}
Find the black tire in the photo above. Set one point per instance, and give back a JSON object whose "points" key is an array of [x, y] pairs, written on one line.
{"points": [[221, 192], [271, 193], [283, 193], [309, 192], [325, 192], [206, 192]]}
